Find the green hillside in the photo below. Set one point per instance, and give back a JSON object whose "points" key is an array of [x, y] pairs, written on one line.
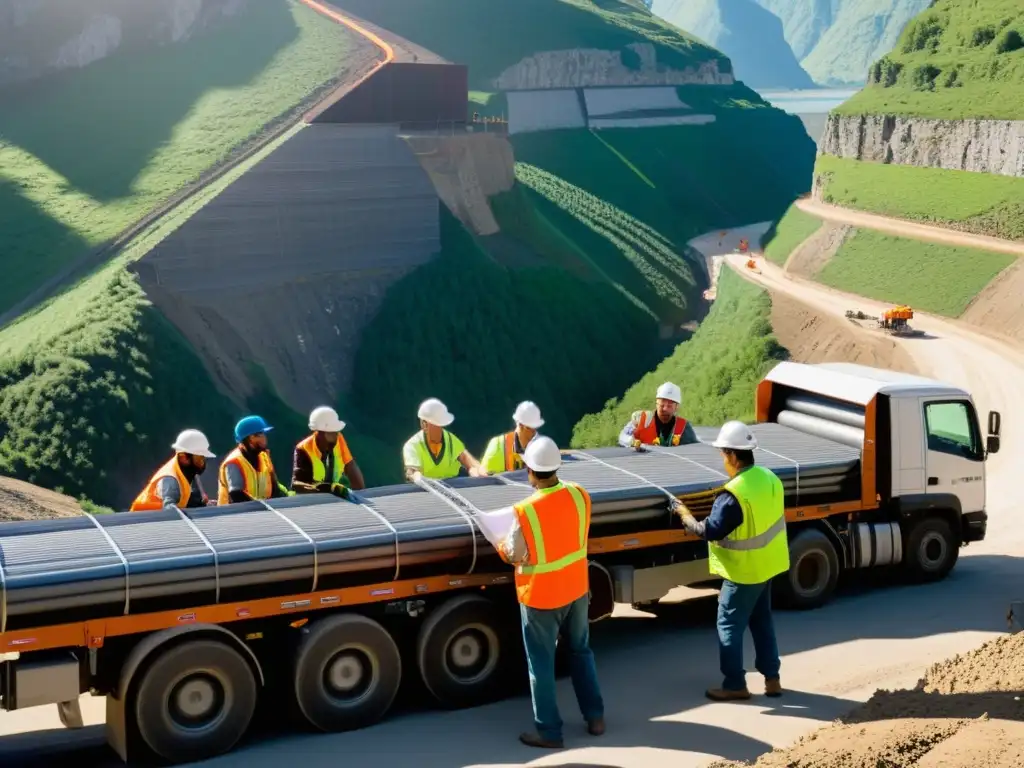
{"points": [[787, 234], [956, 60], [492, 36]]}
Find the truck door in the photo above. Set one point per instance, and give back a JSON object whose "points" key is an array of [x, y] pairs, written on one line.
{"points": [[955, 454]]}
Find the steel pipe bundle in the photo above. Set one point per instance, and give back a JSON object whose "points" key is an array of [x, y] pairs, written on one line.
{"points": [[55, 571]]}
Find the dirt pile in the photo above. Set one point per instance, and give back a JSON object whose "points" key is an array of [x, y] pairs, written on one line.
{"points": [[967, 711], [24, 501]]}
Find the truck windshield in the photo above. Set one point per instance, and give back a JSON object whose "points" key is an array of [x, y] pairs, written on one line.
{"points": [[952, 429]]}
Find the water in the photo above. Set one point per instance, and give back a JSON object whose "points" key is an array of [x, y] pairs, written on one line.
{"points": [[812, 106]]}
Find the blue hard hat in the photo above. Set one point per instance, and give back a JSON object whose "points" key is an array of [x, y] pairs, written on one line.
{"points": [[249, 426]]}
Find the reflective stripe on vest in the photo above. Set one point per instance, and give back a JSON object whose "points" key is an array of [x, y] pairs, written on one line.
{"points": [[758, 549], [319, 468], [440, 467], [556, 573], [257, 482], [647, 429], [149, 499]]}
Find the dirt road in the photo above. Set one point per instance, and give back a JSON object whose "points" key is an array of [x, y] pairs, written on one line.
{"points": [[903, 228]]}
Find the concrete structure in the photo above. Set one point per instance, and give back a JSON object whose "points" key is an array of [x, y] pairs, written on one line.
{"points": [[544, 110], [604, 102]]}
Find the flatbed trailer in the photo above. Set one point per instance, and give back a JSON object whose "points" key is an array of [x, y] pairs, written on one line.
{"points": [[182, 619]]}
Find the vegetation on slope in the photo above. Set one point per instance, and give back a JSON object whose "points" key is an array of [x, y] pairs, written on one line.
{"points": [[984, 203], [785, 235], [930, 277], [85, 155], [492, 36], [718, 369], [749, 35], [955, 60]]}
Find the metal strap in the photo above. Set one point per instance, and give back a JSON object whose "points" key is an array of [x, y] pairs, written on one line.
{"points": [[666, 452], [510, 481], [306, 536], [762, 539], [455, 501], [671, 496], [795, 463], [394, 531], [206, 541], [120, 554], [3, 596]]}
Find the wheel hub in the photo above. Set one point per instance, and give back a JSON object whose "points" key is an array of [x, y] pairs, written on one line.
{"points": [[349, 674], [932, 550], [811, 573], [197, 701], [472, 654]]}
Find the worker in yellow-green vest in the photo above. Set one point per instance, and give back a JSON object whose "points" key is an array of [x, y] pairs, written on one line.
{"points": [[247, 473], [747, 547], [504, 452], [322, 462], [435, 452]]}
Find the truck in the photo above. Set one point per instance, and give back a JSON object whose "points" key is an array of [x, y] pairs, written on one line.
{"points": [[184, 619]]}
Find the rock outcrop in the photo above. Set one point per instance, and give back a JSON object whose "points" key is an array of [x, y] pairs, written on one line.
{"points": [[984, 146], [41, 37], [577, 68]]}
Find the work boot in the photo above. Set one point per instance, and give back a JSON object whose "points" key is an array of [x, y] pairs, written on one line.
{"points": [[773, 687], [595, 727], [534, 739], [722, 694]]}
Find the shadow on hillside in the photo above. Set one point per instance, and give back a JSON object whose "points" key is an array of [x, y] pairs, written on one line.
{"points": [[99, 127]]}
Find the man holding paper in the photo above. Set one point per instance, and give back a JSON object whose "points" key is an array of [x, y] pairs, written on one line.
{"points": [[547, 542]]}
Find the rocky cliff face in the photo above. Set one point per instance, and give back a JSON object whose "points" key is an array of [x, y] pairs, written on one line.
{"points": [[985, 146], [41, 37], [593, 67]]}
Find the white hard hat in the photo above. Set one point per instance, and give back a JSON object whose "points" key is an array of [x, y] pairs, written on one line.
{"points": [[325, 419], [669, 391], [542, 455], [528, 414], [193, 442], [736, 436], [433, 411]]}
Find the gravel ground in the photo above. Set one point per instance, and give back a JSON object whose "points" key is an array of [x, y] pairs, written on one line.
{"points": [[23, 501]]}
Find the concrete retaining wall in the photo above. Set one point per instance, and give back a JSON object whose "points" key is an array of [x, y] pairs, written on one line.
{"points": [[544, 110], [602, 102]]}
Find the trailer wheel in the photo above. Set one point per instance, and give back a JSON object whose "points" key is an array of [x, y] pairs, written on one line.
{"points": [[347, 672], [194, 701], [931, 550], [813, 572], [463, 650]]}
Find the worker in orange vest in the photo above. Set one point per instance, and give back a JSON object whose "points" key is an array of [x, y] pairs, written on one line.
{"points": [[548, 545], [504, 452], [176, 483], [323, 462], [662, 426], [247, 473]]}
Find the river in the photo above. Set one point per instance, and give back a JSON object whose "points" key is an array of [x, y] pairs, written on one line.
{"points": [[811, 106]]}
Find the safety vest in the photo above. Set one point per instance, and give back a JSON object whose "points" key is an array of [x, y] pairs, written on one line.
{"points": [[554, 522], [149, 499], [759, 548], [444, 466], [319, 468], [257, 481], [501, 453], [647, 429]]}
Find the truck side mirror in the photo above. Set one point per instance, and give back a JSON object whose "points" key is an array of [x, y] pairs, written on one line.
{"points": [[992, 444], [994, 422]]}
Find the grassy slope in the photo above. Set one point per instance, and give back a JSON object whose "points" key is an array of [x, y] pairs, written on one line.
{"points": [[930, 277], [975, 202], [718, 369], [787, 234], [956, 60], [492, 36], [97, 365]]}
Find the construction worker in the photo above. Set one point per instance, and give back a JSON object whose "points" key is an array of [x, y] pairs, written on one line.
{"points": [[323, 462], [548, 546], [661, 426], [247, 473], [747, 547], [504, 452], [176, 483], [435, 452]]}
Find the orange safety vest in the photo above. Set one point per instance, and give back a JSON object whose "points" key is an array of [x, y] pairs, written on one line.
{"points": [[150, 500], [510, 453], [257, 481], [555, 523], [312, 450], [647, 430]]}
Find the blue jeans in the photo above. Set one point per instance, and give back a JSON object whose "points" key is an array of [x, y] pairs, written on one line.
{"points": [[540, 633], [741, 606]]}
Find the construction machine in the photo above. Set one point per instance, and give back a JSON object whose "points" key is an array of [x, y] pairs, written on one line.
{"points": [[893, 321]]}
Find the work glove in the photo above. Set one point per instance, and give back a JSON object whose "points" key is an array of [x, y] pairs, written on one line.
{"points": [[340, 490], [689, 521], [638, 446], [324, 488]]}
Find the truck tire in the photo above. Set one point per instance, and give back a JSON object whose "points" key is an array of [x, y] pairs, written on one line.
{"points": [[194, 700], [464, 649], [813, 572], [931, 550], [347, 671]]}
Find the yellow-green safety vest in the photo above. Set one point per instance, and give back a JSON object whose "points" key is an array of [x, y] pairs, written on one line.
{"points": [[758, 549], [442, 467]]}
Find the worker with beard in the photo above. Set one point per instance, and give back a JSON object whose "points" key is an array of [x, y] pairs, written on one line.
{"points": [[176, 483], [322, 462], [662, 426], [247, 473]]}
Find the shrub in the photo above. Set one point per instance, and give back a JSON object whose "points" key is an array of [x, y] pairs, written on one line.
{"points": [[1010, 41]]}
